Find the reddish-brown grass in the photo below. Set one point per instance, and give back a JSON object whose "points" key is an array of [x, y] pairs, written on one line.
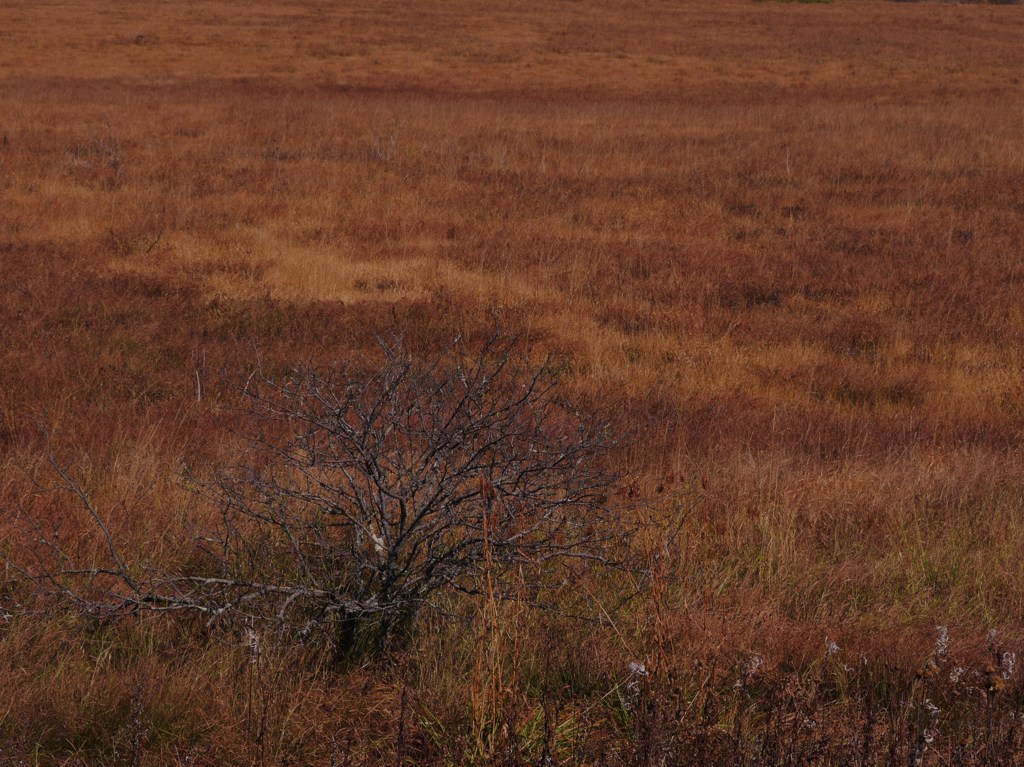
{"points": [[782, 242]]}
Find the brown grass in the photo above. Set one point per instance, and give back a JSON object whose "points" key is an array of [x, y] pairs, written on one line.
{"points": [[782, 242]]}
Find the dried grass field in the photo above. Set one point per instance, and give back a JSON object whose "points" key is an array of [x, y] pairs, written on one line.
{"points": [[780, 244]]}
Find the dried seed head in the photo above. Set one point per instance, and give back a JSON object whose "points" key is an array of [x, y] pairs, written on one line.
{"points": [[1008, 663], [941, 642], [831, 648], [994, 681], [928, 670]]}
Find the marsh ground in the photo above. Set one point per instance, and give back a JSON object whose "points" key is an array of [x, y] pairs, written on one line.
{"points": [[783, 242]]}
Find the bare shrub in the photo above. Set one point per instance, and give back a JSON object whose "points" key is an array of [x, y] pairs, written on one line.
{"points": [[367, 493]]}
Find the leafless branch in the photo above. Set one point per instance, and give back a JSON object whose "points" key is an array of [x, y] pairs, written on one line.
{"points": [[366, 494]]}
